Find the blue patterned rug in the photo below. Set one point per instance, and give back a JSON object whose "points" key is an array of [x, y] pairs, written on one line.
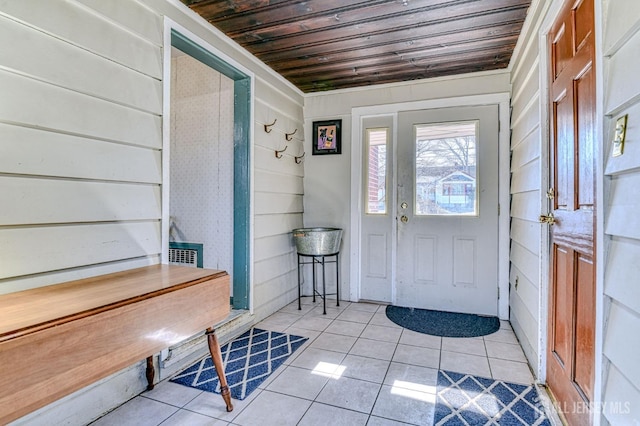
{"points": [[466, 400], [248, 361]]}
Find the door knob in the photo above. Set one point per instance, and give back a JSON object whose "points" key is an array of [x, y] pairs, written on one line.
{"points": [[404, 219], [548, 219]]}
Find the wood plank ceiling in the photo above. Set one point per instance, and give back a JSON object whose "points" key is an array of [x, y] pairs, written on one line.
{"points": [[333, 44]]}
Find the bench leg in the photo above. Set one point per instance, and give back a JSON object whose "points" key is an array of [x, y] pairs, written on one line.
{"points": [[151, 373], [216, 357]]}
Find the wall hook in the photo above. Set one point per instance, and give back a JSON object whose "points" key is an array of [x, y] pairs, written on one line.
{"points": [[289, 136], [268, 127], [279, 153], [299, 159]]}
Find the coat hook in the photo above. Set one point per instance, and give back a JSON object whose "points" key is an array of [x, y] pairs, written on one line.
{"points": [[299, 159], [289, 136], [279, 153], [267, 127]]}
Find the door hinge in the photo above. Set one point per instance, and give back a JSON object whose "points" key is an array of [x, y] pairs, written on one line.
{"points": [[498, 209]]}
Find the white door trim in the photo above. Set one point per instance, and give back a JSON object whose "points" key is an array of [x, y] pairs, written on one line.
{"points": [[358, 113], [169, 25], [545, 258]]}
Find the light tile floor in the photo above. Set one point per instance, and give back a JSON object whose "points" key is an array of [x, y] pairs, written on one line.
{"points": [[357, 368]]}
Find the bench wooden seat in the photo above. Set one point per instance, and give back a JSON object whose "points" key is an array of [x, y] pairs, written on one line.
{"points": [[57, 339]]}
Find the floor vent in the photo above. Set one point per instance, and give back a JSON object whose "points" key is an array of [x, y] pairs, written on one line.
{"points": [[185, 254]]}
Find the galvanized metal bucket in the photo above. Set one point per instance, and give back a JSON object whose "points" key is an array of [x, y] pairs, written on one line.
{"points": [[317, 241]]}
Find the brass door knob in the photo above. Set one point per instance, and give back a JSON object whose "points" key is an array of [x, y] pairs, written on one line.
{"points": [[404, 219], [548, 219]]}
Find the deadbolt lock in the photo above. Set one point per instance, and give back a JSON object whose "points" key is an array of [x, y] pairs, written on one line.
{"points": [[404, 205]]}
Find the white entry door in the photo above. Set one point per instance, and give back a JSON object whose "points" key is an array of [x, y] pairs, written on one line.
{"points": [[447, 210]]}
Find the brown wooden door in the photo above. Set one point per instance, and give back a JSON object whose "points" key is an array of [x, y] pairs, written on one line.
{"points": [[571, 334]]}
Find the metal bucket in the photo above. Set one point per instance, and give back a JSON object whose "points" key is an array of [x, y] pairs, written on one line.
{"points": [[317, 241]]}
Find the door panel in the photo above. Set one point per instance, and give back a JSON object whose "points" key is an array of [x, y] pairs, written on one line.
{"points": [[376, 259], [585, 313], [571, 338], [447, 209], [562, 297], [425, 259]]}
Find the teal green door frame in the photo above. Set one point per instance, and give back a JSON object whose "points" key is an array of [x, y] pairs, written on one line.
{"points": [[241, 170]]}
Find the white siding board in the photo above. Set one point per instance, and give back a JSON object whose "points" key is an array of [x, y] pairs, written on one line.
{"points": [[61, 247], [24, 49], [276, 245], [622, 22], [278, 183], [526, 290], [275, 139], [529, 347], [624, 198], [527, 327], [623, 84], [269, 269], [621, 406], [131, 15], [55, 277], [525, 121], [527, 48], [275, 294], [526, 150], [277, 203], [526, 261], [36, 152], [41, 105], [623, 268], [526, 234], [265, 159], [275, 224], [630, 160], [79, 25], [622, 341], [521, 104], [280, 104], [526, 178], [42, 201], [528, 81], [526, 205]]}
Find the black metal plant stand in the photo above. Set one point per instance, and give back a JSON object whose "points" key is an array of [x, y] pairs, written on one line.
{"points": [[308, 259]]}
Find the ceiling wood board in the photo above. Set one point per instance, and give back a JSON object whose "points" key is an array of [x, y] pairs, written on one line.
{"points": [[332, 44]]}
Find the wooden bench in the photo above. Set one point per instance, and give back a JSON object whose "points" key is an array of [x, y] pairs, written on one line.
{"points": [[57, 339]]}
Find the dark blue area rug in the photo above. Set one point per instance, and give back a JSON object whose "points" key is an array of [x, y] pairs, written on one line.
{"points": [[440, 323], [248, 361], [463, 400]]}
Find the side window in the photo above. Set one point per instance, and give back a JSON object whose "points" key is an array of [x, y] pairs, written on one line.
{"points": [[377, 141]]}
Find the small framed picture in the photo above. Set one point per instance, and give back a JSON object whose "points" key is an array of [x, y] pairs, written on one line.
{"points": [[327, 137]]}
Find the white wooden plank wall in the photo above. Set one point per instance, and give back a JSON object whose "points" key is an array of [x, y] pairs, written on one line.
{"points": [[621, 41], [278, 192], [526, 169], [81, 159], [80, 139]]}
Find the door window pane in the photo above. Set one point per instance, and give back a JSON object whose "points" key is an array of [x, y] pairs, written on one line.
{"points": [[446, 168], [376, 189]]}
